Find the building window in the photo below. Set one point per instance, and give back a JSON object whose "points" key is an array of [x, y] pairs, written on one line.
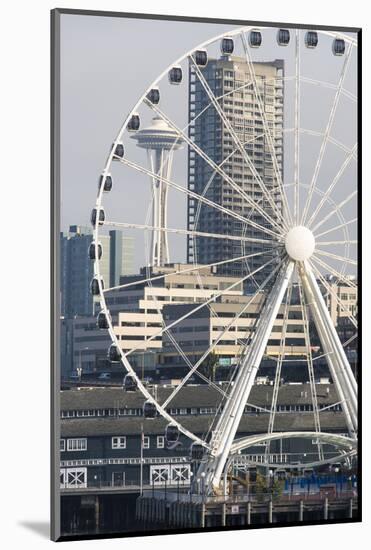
{"points": [[160, 441], [146, 442], [62, 445], [207, 410], [77, 444], [119, 442]]}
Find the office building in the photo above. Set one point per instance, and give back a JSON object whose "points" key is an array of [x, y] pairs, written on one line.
{"points": [[77, 268], [229, 79]]}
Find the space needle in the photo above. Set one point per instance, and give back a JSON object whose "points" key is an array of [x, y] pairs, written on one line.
{"points": [[160, 141]]}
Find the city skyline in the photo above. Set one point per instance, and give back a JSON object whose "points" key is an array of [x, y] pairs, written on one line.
{"points": [[82, 93], [220, 374]]}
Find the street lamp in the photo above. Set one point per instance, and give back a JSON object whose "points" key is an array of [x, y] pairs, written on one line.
{"points": [[270, 481], [336, 470], [203, 474], [190, 486]]}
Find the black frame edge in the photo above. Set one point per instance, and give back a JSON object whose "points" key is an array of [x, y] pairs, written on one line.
{"points": [[54, 272], [134, 15]]}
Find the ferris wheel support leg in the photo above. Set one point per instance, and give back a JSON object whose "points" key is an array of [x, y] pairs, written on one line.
{"points": [[341, 372], [229, 420]]}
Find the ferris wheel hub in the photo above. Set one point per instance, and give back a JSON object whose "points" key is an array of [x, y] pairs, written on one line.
{"points": [[299, 243]]}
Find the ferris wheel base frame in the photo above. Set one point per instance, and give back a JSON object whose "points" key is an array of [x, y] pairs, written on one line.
{"points": [[222, 441]]}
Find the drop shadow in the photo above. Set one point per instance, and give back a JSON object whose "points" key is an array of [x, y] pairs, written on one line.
{"points": [[41, 528]]}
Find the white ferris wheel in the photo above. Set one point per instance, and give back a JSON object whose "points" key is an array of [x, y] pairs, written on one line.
{"points": [[303, 223]]}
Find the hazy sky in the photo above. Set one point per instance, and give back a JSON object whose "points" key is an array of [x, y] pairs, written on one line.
{"points": [[106, 65]]}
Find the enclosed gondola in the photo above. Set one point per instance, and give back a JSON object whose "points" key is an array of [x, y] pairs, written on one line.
{"points": [[227, 46], [255, 39], [338, 46], [197, 451], [106, 181], [130, 384], [149, 409], [119, 151], [283, 37], [154, 96], [311, 39], [93, 217], [200, 57], [175, 75], [171, 434], [134, 123], [113, 354], [92, 249], [94, 286], [102, 320]]}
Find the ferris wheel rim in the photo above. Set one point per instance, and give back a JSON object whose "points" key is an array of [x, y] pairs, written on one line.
{"points": [[126, 364]]}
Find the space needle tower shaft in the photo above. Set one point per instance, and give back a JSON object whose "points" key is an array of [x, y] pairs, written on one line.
{"points": [[160, 141]]}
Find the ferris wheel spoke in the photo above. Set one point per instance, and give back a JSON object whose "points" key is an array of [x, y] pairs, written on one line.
{"points": [[267, 132], [337, 227], [168, 332], [196, 268], [350, 340], [243, 152], [335, 210], [324, 84], [335, 257], [327, 133], [331, 243], [330, 139], [317, 423], [196, 117], [209, 182], [333, 271], [125, 225], [220, 336], [332, 186], [297, 126], [206, 158], [200, 198], [338, 300], [314, 133], [190, 366], [206, 303]]}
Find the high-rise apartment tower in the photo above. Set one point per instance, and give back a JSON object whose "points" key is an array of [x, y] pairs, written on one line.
{"points": [[231, 82]]}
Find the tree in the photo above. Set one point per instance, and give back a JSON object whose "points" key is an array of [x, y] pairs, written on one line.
{"points": [[209, 366], [277, 488], [261, 486], [267, 486]]}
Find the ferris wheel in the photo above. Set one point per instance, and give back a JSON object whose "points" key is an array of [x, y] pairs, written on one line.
{"points": [[290, 231]]}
